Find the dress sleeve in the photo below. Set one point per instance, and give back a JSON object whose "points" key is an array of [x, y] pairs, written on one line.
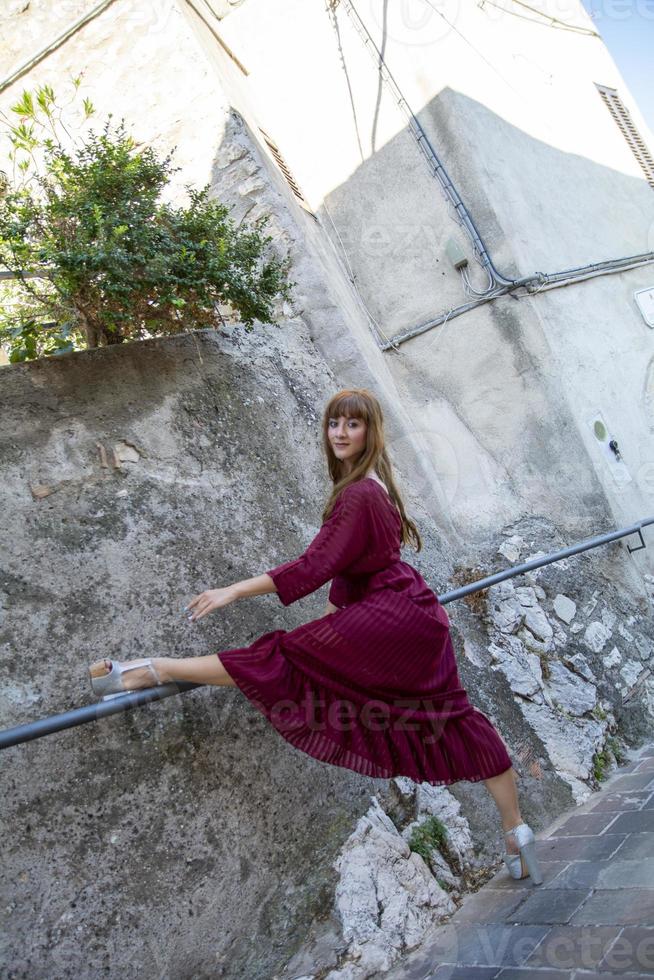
{"points": [[342, 538]]}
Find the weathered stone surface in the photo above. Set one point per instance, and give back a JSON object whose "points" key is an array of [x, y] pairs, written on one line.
{"points": [[386, 896], [537, 623], [512, 547], [505, 609], [578, 663], [522, 669], [565, 608], [570, 743], [596, 636], [612, 659], [569, 691], [630, 673]]}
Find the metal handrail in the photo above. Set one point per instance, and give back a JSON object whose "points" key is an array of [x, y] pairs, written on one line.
{"points": [[134, 699]]}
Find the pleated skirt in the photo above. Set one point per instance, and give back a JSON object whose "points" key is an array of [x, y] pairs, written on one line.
{"points": [[373, 687]]}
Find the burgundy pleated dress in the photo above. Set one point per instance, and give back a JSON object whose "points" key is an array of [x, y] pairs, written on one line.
{"points": [[374, 686]]}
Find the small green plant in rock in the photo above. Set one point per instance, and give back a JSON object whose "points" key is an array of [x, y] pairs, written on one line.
{"points": [[614, 746], [115, 261], [429, 835], [599, 713], [601, 763]]}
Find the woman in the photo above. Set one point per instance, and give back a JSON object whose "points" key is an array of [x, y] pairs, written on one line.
{"points": [[373, 684]]}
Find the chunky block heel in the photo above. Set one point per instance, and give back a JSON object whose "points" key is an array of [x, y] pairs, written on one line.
{"points": [[525, 863]]}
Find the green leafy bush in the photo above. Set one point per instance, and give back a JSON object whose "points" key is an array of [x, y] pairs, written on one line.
{"points": [[119, 262]]}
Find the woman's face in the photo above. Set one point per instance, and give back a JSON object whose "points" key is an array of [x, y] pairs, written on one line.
{"points": [[347, 437]]}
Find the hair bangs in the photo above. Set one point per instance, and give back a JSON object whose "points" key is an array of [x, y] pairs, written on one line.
{"points": [[350, 404]]}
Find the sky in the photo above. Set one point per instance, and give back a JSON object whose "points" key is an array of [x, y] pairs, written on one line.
{"points": [[627, 28]]}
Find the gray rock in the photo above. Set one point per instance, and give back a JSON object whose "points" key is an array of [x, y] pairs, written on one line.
{"points": [[570, 743], [438, 801], [537, 623], [511, 547], [526, 595], [506, 611], [590, 605], [644, 647], [580, 665], [625, 634], [630, 673], [612, 659], [608, 618], [564, 608], [521, 668], [386, 896], [570, 692], [596, 636], [532, 643]]}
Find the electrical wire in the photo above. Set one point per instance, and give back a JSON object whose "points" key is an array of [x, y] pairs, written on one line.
{"points": [[552, 22]]}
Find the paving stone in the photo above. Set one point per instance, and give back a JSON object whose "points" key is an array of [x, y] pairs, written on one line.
{"points": [[570, 947], [636, 846], [606, 874], [523, 973], [550, 905], [620, 906], [646, 753], [448, 972], [632, 951], [481, 945], [632, 782], [616, 802], [635, 823], [649, 803], [582, 824], [596, 975], [491, 905], [647, 765], [578, 848], [581, 975], [504, 881]]}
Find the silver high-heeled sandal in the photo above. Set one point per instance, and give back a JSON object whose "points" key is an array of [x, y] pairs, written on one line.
{"points": [[110, 685], [524, 863]]}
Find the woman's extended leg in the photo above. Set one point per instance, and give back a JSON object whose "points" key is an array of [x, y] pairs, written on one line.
{"points": [[198, 670], [503, 790]]}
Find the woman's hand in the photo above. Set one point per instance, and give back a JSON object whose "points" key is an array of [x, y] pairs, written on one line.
{"points": [[207, 601]]}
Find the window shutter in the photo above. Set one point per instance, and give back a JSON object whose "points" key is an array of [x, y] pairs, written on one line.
{"points": [[625, 123]]}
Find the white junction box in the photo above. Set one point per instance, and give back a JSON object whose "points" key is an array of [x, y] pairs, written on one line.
{"points": [[645, 302]]}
